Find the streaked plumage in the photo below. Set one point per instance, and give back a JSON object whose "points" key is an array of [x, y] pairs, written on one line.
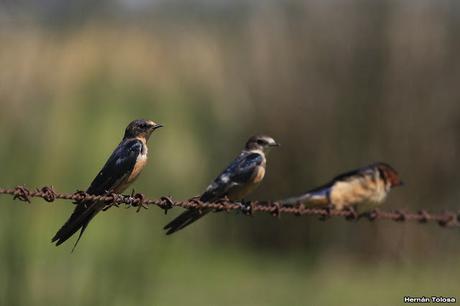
{"points": [[121, 169], [241, 177], [365, 187]]}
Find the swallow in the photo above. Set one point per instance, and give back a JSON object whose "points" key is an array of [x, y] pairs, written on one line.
{"points": [[364, 188], [241, 177], [121, 169]]}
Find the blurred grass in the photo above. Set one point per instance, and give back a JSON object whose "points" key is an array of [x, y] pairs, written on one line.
{"points": [[162, 274], [339, 84]]}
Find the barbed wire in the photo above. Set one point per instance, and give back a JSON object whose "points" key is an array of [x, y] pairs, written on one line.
{"points": [[274, 208]]}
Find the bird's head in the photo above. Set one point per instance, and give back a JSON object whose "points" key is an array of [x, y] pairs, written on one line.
{"points": [[141, 128], [389, 174], [261, 142]]}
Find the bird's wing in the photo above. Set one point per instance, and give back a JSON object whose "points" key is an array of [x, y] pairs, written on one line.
{"points": [[353, 174], [314, 197], [320, 195], [239, 172], [116, 169]]}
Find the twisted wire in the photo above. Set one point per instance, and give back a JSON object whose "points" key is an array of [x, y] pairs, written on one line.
{"points": [[274, 208]]}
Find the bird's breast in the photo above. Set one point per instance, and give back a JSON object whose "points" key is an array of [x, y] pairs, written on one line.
{"points": [[258, 175], [242, 190], [141, 161]]}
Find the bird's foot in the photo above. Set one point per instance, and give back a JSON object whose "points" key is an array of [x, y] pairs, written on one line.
{"points": [[371, 215], [116, 200], [327, 212], [245, 207], [352, 213]]}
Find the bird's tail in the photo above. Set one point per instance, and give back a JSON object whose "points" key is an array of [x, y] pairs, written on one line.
{"points": [[184, 220], [313, 198], [188, 217], [79, 220]]}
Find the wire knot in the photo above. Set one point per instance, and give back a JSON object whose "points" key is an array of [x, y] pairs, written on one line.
{"points": [[424, 216], [448, 220], [139, 201], [373, 215], [166, 204], [276, 209], [21, 193], [48, 193], [402, 217]]}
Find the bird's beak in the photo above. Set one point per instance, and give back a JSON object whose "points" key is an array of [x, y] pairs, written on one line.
{"points": [[275, 144], [156, 126]]}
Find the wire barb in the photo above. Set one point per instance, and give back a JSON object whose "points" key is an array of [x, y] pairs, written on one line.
{"points": [[21, 193], [166, 203], [139, 201]]}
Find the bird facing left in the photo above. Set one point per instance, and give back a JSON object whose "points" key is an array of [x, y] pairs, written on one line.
{"points": [[121, 169]]}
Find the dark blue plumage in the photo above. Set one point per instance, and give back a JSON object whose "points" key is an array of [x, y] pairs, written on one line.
{"points": [[238, 173], [242, 175], [121, 169]]}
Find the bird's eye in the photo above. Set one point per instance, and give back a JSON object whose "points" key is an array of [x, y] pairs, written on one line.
{"points": [[261, 142]]}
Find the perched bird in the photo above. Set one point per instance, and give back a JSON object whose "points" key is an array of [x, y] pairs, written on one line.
{"points": [[121, 169], [235, 182], [363, 188]]}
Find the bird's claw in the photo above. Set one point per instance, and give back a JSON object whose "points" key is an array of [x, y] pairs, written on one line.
{"points": [[116, 199], [245, 207], [372, 215], [352, 214], [327, 212]]}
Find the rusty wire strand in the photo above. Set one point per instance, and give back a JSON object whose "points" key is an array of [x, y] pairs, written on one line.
{"points": [[275, 208]]}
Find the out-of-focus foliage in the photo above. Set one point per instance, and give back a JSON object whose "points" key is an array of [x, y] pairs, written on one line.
{"points": [[339, 83]]}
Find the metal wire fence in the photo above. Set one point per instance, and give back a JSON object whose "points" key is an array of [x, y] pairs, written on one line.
{"points": [[274, 208]]}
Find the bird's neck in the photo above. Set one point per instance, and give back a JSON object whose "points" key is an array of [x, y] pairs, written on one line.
{"points": [[142, 139], [257, 151], [261, 153]]}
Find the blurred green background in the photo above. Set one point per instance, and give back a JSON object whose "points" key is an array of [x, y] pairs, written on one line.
{"points": [[339, 83]]}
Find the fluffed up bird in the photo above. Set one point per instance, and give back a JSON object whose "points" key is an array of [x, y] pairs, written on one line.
{"points": [[363, 189], [235, 182], [121, 169]]}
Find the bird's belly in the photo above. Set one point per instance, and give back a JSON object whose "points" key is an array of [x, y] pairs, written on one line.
{"points": [[360, 191], [240, 191]]}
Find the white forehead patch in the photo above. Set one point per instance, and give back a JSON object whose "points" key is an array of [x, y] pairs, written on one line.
{"points": [[268, 139]]}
